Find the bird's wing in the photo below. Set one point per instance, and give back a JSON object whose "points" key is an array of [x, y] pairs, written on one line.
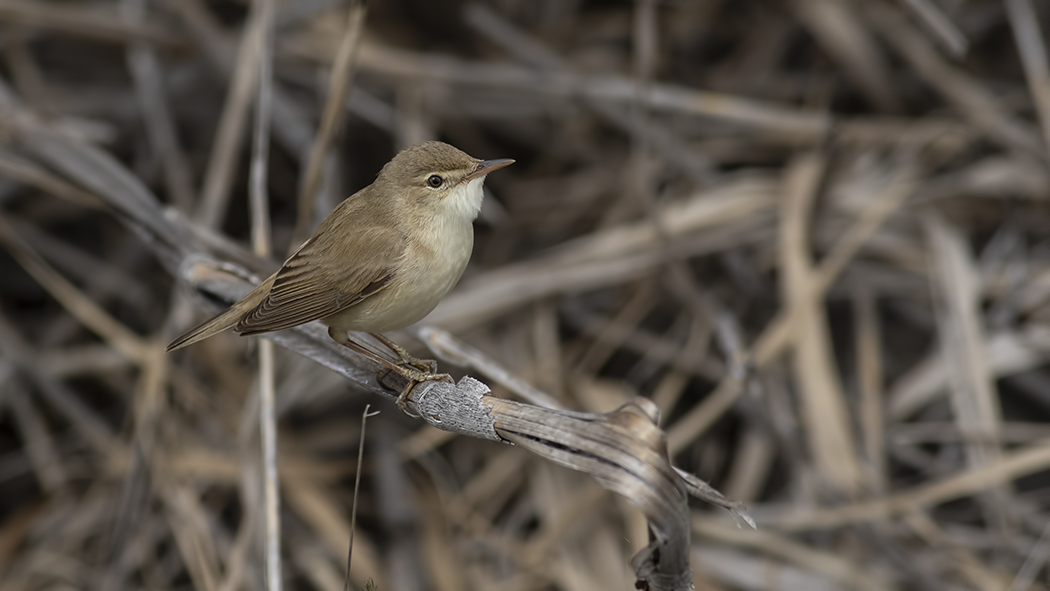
{"points": [[332, 271]]}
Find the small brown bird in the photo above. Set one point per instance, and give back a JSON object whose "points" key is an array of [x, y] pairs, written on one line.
{"points": [[382, 260]]}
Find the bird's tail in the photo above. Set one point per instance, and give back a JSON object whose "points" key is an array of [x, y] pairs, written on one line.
{"points": [[226, 320], [208, 328]]}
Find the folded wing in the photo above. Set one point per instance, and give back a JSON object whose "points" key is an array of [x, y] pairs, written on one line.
{"points": [[330, 272]]}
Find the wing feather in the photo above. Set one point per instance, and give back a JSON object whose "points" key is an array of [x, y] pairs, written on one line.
{"points": [[338, 267]]}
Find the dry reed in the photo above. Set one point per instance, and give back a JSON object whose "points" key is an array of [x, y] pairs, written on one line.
{"points": [[800, 249]]}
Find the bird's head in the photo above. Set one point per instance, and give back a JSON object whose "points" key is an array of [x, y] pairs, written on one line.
{"points": [[439, 178]]}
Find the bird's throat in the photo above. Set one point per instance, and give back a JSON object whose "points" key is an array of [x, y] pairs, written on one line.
{"points": [[465, 200]]}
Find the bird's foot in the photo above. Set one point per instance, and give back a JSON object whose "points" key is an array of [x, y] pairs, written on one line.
{"points": [[414, 377]]}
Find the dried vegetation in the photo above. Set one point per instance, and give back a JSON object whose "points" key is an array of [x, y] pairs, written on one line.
{"points": [[813, 233]]}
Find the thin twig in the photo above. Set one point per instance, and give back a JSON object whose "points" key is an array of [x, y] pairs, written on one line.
{"points": [[1032, 563], [1032, 47], [331, 120], [215, 194], [942, 27], [156, 113], [261, 245], [357, 487]]}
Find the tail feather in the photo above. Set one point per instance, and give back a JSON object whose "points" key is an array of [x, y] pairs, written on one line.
{"points": [[225, 320], [208, 328]]}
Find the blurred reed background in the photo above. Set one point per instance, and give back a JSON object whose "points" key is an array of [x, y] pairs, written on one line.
{"points": [[814, 233]]}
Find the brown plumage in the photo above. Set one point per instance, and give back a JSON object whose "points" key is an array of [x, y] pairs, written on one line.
{"points": [[383, 258]]}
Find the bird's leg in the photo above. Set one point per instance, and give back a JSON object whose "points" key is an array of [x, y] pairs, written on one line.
{"points": [[411, 373], [403, 357], [414, 376]]}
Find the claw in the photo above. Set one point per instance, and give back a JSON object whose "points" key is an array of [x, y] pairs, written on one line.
{"points": [[415, 370], [414, 378]]}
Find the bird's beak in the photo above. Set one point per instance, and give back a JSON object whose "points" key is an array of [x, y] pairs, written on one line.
{"points": [[487, 166]]}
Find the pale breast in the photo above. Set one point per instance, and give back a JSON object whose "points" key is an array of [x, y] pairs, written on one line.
{"points": [[430, 268]]}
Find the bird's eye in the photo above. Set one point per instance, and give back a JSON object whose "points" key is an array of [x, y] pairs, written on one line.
{"points": [[435, 181]]}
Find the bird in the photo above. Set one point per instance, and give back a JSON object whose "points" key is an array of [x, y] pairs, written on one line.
{"points": [[382, 260]]}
